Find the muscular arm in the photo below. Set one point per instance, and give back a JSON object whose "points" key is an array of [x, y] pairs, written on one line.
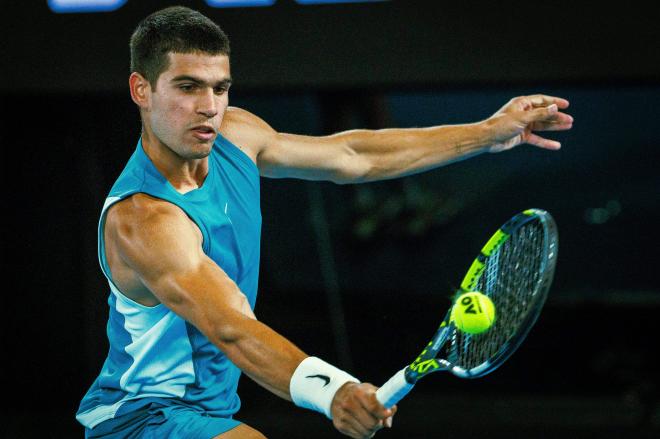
{"points": [[368, 155], [359, 156], [163, 247], [156, 249]]}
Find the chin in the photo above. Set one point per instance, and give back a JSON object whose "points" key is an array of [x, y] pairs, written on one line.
{"points": [[199, 153], [194, 151], [203, 147]]}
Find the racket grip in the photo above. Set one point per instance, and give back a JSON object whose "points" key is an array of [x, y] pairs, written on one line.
{"points": [[394, 389]]}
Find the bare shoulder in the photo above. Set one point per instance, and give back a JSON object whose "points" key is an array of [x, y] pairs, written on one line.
{"points": [[141, 225], [247, 131], [140, 211]]}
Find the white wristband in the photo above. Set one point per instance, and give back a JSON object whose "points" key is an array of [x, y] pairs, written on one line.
{"points": [[314, 384]]}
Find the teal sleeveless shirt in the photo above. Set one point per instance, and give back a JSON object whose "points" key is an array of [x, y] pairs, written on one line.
{"points": [[155, 355]]}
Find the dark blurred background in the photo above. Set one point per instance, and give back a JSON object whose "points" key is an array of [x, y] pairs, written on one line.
{"points": [[360, 275]]}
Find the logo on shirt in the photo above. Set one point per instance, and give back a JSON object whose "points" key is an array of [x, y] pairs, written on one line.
{"points": [[227, 214]]}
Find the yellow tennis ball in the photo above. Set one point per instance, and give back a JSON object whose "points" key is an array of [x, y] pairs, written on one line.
{"points": [[473, 312]]}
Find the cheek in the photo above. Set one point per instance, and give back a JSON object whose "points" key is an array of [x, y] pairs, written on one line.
{"points": [[222, 103], [167, 119], [176, 107], [173, 114], [172, 107]]}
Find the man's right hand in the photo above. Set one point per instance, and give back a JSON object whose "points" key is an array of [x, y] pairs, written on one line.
{"points": [[357, 413]]}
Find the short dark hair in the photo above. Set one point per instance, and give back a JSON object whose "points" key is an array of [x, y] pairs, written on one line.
{"points": [[176, 29]]}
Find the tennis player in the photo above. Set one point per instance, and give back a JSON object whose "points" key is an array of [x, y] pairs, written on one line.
{"points": [[179, 240]]}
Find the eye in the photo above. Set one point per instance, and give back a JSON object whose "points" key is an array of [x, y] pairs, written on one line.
{"points": [[187, 87], [220, 90]]}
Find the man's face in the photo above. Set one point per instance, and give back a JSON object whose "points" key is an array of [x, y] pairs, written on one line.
{"points": [[189, 102]]}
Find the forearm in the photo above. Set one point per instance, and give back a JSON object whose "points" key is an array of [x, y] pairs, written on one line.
{"points": [[261, 353], [279, 366], [207, 298], [391, 153], [163, 247], [224, 316]]}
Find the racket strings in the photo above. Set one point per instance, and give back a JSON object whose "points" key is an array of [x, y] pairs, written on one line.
{"points": [[510, 279]]}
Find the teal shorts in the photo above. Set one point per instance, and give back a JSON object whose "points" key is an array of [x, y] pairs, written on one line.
{"points": [[157, 421]]}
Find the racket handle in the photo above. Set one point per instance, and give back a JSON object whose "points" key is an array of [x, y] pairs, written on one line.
{"points": [[394, 389]]}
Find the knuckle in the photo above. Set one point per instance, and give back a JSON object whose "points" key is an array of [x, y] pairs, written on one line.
{"points": [[375, 425], [341, 422], [375, 406], [361, 390]]}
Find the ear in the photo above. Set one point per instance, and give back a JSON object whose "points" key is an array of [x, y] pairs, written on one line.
{"points": [[140, 90]]}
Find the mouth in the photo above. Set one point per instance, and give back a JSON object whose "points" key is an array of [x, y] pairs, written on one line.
{"points": [[204, 132]]}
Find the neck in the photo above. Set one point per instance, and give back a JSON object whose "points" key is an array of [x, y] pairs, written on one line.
{"points": [[183, 174]]}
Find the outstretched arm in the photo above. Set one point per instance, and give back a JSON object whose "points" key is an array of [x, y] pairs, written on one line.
{"points": [[368, 155], [163, 247]]}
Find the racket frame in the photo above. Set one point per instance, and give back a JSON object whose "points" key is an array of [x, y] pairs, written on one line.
{"points": [[426, 362]]}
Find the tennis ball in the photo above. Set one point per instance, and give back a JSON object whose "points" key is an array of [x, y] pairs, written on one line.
{"points": [[473, 312]]}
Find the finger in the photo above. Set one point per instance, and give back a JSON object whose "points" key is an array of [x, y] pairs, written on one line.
{"points": [[539, 141], [373, 406], [545, 100], [388, 421], [362, 422], [539, 114], [359, 426], [350, 426], [551, 126], [374, 413], [369, 417], [556, 122], [560, 117]]}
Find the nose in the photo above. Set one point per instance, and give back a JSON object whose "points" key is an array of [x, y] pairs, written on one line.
{"points": [[207, 104]]}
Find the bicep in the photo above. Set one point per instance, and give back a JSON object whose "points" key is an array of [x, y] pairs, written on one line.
{"points": [[283, 155], [163, 247], [327, 158]]}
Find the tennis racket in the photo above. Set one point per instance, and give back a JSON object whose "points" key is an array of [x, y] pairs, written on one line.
{"points": [[514, 269]]}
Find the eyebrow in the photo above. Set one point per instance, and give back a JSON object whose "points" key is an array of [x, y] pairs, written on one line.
{"points": [[224, 82]]}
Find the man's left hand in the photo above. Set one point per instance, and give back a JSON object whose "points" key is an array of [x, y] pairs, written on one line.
{"points": [[518, 121]]}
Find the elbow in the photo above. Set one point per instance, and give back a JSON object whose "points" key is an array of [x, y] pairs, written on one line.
{"points": [[220, 327], [367, 156], [361, 173], [342, 177], [231, 329], [354, 168], [225, 334]]}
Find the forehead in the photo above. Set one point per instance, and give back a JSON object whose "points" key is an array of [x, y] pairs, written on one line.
{"points": [[201, 65]]}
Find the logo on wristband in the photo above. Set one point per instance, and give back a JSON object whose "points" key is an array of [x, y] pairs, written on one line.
{"points": [[323, 377]]}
